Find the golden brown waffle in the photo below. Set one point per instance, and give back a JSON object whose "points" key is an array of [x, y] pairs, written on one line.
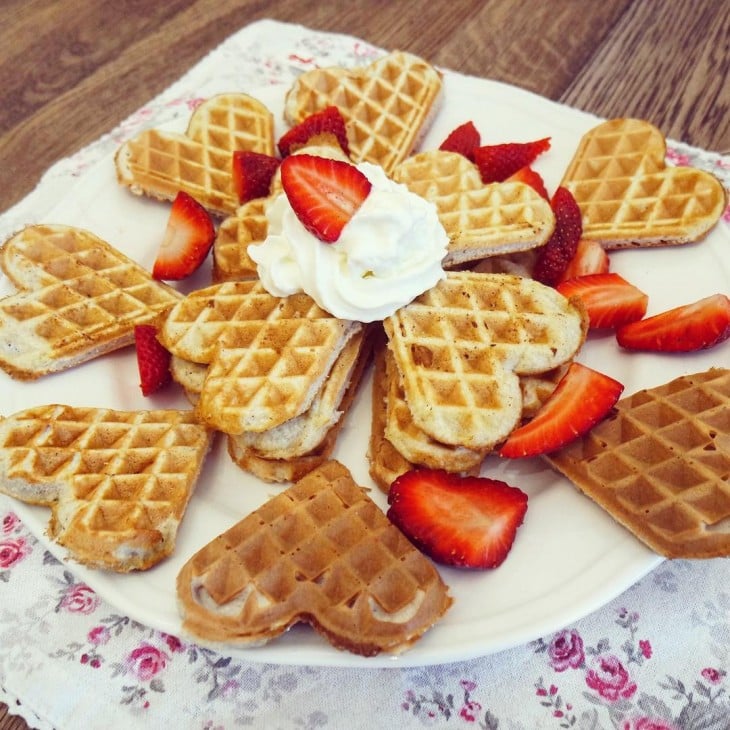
{"points": [[159, 164], [387, 106], [231, 261], [78, 298], [480, 220], [629, 197], [461, 346], [248, 225], [117, 482], [385, 462], [659, 465], [292, 468], [190, 376], [413, 443], [267, 356], [323, 553]]}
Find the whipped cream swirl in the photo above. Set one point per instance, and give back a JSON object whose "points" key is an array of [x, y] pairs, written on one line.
{"points": [[387, 254]]}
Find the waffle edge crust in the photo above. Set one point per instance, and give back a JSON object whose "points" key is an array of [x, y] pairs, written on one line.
{"points": [[660, 465], [321, 553]]}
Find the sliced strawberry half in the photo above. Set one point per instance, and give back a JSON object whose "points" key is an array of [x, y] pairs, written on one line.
{"points": [[696, 326], [324, 194], [153, 360], [327, 121], [464, 140], [467, 522], [252, 174], [498, 161], [582, 398], [609, 299], [532, 178], [590, 258], [555, 255], [188, 237]]}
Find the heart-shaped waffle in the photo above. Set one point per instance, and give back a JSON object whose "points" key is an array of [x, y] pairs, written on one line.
{"points": [[159, 164], [117, 482], [387, 105], [78, 297], [267, 356], [461, 346], [627, 194], [321, 552], [480, 220]]}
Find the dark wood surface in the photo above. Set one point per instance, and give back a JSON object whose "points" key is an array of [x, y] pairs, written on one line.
{"points": [[70, 70]]}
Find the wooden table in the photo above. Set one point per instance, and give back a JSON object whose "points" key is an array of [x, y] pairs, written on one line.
{"points": [[71, 70]]}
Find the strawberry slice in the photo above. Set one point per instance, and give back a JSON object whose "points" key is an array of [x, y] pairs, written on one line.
{"points": [[532, 178], [582, 398], [590, 258], [153, 360], [554, 256], [467, 522], [328, 121], [252, 174], [497, 162], [324, 194], [188, 237], [696, 326], [464, 140], [609, 299]]}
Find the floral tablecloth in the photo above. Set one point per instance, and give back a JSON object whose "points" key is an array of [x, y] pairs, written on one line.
{"points": [[655, 658]]}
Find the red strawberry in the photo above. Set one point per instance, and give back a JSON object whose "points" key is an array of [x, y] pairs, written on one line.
{"points": [[252, 173], [464, 140], [327, 121], [691, 327], [583, 398], [554, 256], [323, 193], [497, 162], [188, 237], [532, 178], [590, 258], [608, 298], [153, 360], [467, 522]]}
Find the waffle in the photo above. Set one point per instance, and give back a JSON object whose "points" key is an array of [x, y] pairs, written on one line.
{"points": [[159, 163], [323, 553], [659, 465], [480, 220], [248, 225], [267, 356], [78, 298], [629, 197], [117, 482], [289, 451], [461, 346], [387, 106], [414, 444], [190, 376]]}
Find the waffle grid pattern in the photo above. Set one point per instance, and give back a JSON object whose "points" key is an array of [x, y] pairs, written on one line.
{"points": [[386, 105], [460, 347], [480, 219], [160, 163], [76, 292], [660, 465], [321, 552], [627, 193], [268, 356]]}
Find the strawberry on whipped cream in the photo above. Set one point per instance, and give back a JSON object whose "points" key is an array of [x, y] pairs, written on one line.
{"points": [[387, 254]]}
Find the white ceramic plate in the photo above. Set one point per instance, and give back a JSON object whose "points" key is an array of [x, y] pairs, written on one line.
{"points": [[569, 559]]}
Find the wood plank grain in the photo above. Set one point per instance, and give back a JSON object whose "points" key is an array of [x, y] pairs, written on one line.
{"points": [[668, 65]]}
